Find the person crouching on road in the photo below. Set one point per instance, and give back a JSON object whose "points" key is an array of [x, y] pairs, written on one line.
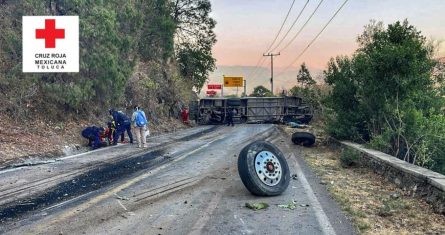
{"points": [[93, 134], [139, 121], [123, 124]]}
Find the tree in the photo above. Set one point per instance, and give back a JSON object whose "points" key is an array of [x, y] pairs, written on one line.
{"points": [[194, 39], [386, 93], [304, 77], [115, 36], [261, 91], [195, 64]]}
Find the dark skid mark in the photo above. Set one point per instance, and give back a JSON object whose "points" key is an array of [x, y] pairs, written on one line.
{"points": [[198, 134], [90, 181], [87, 182]]}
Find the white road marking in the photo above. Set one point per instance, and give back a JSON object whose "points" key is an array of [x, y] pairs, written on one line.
{"points": [[67, 201], [100, 197], [62, 158], [88, 152], [13, 169], [122, 205], [322, 218]]}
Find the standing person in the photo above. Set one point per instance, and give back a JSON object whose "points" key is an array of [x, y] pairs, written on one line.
{"points": [[230, 115], [139, 121], [185, 115], [123, 124]]}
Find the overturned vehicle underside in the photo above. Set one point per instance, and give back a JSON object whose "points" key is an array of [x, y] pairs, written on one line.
{"points": [[251, 110]]}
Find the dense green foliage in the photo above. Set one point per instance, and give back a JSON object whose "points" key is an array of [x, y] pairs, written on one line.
{"points": [[195, 38], [115, 38], [261, 91], [387, 94]]}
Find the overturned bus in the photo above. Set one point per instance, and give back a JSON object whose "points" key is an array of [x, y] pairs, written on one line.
{"points": [[251, 110]]}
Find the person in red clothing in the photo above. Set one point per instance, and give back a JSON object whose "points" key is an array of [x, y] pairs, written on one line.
{"points": [[185, 115]]}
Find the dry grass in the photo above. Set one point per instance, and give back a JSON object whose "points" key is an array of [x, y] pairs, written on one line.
{"points": [[43, 139], [375, 205]]}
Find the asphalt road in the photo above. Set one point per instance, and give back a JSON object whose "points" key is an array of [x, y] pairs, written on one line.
{"points": [[184, 183]]}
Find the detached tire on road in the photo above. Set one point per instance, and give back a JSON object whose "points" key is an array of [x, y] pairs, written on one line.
{"points": [[303, 138], [263, 169]]}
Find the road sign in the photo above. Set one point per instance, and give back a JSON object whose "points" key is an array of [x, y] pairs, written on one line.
{"points": [[211, 93], [233, 81], [214, 86]]}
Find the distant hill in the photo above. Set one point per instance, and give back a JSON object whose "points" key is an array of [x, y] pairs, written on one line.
{"points": [[256, 77]]}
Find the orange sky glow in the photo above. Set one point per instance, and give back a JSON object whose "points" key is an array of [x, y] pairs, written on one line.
{"points": [[245, 28]]}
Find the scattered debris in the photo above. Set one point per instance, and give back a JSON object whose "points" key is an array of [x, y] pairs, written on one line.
{"points": [[257, 206], [297, 125], [26, 203], [292, 205], [121, 197], [167, 156], [304, 205], [33, 162]]}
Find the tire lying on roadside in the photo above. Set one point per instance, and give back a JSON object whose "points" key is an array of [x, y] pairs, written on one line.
{"points": [[263, 169], [303, 138]]}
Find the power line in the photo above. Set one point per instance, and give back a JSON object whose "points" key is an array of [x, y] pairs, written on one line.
{"points": [[258, 70], [315, 38], [291, 27], [261, 59], [302, 27], [282, 25]]}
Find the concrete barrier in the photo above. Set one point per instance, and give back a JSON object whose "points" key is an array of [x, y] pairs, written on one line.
{"points": [[418, 181]]}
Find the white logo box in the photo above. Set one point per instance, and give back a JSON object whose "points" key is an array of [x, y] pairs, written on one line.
{"points": [[64, 58]]}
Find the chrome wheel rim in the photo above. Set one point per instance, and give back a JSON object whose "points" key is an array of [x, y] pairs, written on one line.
{"points": [[268, 168]]}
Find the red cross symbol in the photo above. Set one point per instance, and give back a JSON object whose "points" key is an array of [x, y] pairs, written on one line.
{"points": [[50, 33]]}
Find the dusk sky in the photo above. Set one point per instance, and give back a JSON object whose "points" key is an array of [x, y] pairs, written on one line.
{"points": [[245, 28]]}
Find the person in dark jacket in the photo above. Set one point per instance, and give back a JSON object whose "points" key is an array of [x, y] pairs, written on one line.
{"points": [[123, 123], [93, 134], [230, 115]]}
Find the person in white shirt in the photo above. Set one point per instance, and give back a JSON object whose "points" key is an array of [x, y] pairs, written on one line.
{"points": [[139, 121]]}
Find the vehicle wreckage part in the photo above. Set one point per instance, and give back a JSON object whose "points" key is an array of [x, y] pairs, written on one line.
{"points": [[303, 138], [263, 169], [233, 102]]}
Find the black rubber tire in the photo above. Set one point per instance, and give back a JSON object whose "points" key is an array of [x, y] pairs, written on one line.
{"points": [[233, 102], [246, 169], [303, 138]]}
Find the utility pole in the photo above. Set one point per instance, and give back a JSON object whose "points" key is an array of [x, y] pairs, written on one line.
{"points": [[245, 88], [271, 68], [222, 87]]}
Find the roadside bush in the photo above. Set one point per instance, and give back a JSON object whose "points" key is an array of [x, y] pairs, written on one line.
{"points": [[392, 206], [388, 94], [349, 158]]}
